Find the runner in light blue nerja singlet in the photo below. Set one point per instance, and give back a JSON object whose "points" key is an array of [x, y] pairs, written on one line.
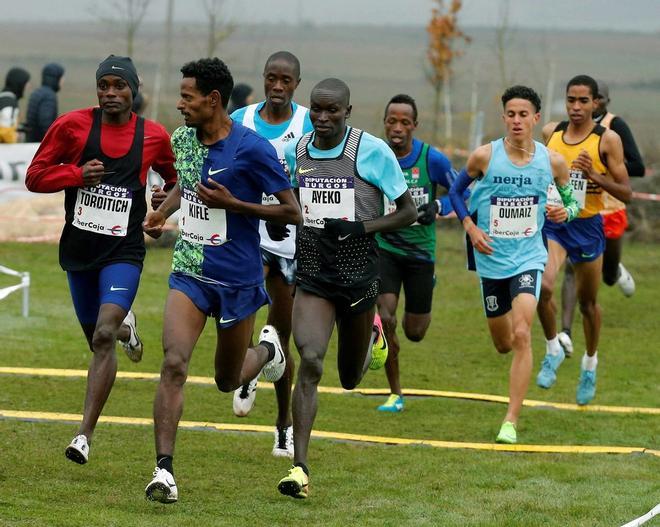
{"points": [[508, 204]]}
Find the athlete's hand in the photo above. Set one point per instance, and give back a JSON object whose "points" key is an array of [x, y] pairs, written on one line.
{"points": [[276, 231], [216, 196], [427, 213], [556, 214], [153, 224], [92, 172], [584, 163], [158, 195], [480, 240], [343, 229]]}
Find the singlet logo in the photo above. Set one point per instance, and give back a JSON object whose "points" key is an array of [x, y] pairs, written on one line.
{"points": [[519, 180], [288, 137]]}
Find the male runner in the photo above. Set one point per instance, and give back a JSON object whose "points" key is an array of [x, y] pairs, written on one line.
{"points": [[407, 255], [224, 168], [508, 208], [341, 174], [615, 221], [100, 158], [595, 156], [281, 121]]}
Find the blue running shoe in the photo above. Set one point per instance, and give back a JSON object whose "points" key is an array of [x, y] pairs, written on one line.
{"points": [[548, 374], [586, 389], [394, 403]]}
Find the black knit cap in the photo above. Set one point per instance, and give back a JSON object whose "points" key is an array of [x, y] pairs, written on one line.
{"points": [[121, 67]]}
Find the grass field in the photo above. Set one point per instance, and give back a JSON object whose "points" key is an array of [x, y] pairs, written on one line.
{"points": [[230, 478]]}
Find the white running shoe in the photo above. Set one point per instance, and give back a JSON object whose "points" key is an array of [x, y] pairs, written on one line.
{"points": [[132, 347], [244, 398], [274, 368], [283, 446], [162, 488], [78, 450], [566, 343], [626, 282]]}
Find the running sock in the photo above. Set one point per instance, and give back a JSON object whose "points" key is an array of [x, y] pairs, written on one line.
{"points": [[271, 349], [590, 363], [552, 346], [302, 466], [165, 462]]}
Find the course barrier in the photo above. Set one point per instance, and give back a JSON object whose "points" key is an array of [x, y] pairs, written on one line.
{"points": [[24, 285]]}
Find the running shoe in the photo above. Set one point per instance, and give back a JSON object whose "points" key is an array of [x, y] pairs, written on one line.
{"points": [[566, 343], [379, 348], [162, 487], [244, 398], [295, 484], [626, 282], [283, 446], [78, 450], [586, 389], [507, 434], [274, 368], [394, 403], [548, 374], [133, 346]]}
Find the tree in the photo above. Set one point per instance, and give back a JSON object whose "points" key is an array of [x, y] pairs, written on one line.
{"points": [[503, 40], [217, 29], [444, 36], [129, 14]]}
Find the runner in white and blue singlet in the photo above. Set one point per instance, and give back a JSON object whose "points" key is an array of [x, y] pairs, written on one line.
{"points": [[280, 120], [513, 195]]}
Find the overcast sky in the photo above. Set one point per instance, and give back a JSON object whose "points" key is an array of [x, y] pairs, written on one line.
{"points": [[619, 15]]}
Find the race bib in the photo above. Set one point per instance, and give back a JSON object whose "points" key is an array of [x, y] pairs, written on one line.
{"points": [[419, 195], [513, 217], [579, 184], [326, 197], [199, 224], [103, 209]]}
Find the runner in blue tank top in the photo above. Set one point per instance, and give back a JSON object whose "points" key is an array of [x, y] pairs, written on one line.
{"points": [[513, 195]]}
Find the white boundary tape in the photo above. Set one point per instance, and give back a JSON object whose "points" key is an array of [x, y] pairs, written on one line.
{"points": [[24, 285], [643, 519]]}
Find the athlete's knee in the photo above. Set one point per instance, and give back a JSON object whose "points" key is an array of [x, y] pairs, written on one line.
{"points": [[587, 307], [225, 384], [502, 344], [389, 322], [104, 338], [547, 289], [174, 369], [311, 368], [522, 337], [414, 334]]}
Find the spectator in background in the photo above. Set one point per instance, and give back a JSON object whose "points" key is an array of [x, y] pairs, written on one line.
{"points": [[42, 107], [241, 96], [15, 84]]}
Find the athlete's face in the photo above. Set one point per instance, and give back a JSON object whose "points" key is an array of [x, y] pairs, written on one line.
{"points": [[400, 126], [114, 94], [280, 82], [328, 112], [520, 118], [580, 104], [196, 107]]}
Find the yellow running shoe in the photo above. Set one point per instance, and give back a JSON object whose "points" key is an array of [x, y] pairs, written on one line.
{"points": [[507, 434], [379, 349], [296, 484]]}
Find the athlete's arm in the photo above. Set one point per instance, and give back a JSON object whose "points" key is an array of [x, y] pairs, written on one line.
{"points": [[155, 220], [404, 215], [633, 159], [548, 128], [612, 151], [217, 196], [562, 181], [476, 166]]}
